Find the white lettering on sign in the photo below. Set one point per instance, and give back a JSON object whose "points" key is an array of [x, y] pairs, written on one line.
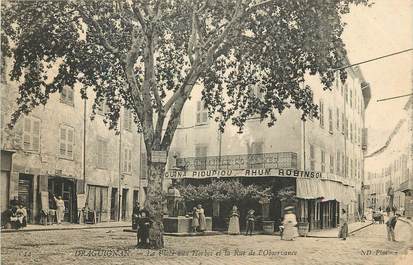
{"points": [[264, 172]]}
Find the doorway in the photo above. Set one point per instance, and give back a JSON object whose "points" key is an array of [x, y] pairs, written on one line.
{"points": [[113, 204], [25, 194], [59, 186], [124, 203]]}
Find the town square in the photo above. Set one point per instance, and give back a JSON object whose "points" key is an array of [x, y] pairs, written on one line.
{"points": [[206, 132]]}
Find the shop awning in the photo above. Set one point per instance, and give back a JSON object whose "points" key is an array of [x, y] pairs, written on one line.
{"points": [[329, 190]]}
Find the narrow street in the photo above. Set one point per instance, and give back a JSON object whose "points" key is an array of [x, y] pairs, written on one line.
{"points": [[100, 246]]}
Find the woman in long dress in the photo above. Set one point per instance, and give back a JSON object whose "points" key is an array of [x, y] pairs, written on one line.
{"points": [[290, 221], [195, 219], [343, 232], [233, 227], [60, 211], [202, 220]]}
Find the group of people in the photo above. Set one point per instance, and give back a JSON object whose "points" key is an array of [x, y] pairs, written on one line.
{"points": [[288, 228], [233, 227], [390, 225], [198, 219], [16, 215], [141, 222]]}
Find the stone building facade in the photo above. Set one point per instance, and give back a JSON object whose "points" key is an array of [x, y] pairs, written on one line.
{"points": [[58, 150], [331, 148], [391, 167]]}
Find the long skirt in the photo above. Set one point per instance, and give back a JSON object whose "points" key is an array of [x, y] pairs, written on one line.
{"points": [[343, 232], [233, 227], [202, 222], [60, 213], [290, 232], [195, 222]]}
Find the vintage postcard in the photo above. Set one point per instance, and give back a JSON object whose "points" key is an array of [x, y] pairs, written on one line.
{"points": [[206, 132]]}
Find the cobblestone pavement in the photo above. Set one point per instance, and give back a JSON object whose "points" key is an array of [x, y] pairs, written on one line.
{"points": [[104, 246]]}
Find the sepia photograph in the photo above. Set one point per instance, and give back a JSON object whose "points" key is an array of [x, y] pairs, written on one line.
{"points": [[206, 132]]}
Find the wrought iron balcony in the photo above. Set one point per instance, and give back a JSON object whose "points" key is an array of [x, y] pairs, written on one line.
{"points": [[266, 160]]}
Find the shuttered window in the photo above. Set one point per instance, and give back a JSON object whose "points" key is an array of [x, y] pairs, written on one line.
{"points": [[102, 149], [127, 160], [31, 134], [330, 121], [66, 141], [201, 113]]}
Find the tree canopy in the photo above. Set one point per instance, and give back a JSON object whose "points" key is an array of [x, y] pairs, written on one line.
{"points": [[250, 57]]}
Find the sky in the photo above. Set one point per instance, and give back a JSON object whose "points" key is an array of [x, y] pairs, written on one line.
{"points": [[371, 32]]}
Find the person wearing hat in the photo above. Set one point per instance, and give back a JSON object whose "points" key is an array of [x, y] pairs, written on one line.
{"points": [[290, 221], [250, 221], [390, 225]]}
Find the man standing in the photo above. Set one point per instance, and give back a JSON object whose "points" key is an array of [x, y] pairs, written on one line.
{"points": [[391, 224]]}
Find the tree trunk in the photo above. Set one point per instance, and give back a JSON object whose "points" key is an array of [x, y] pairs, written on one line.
{"points": [[154, 203]]}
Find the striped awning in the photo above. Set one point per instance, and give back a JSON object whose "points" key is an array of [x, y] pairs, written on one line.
{"points": [[329, 190]]}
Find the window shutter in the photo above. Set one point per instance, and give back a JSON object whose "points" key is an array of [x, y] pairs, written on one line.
{"points": [[70, 150], [36, 135], [26, 134], [62, 141]]}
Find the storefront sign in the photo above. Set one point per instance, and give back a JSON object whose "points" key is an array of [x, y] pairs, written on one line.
{"points": [[267, 172]]}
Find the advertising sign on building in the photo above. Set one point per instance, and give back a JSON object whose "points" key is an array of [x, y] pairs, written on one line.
{"points": [[264, 172]]}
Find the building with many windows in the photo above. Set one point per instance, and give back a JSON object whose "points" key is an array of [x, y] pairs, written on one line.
{"points": [[391, 166], [58, 150], [321, 159]]}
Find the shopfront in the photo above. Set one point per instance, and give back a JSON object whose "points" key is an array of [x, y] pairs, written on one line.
{"points": [[64, 187]]}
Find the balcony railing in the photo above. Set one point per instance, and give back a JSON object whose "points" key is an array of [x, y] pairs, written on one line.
{"points": [[266, 160]]}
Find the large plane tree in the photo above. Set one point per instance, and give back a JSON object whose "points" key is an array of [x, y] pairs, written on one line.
{"points": [[148, 56]]}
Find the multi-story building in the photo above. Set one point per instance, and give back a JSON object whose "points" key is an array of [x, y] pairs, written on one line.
{"points": [[322, 159], [391, 167], [58, 150]]}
